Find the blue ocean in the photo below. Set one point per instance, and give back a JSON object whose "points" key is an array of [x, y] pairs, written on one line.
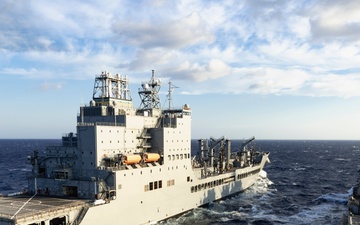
{"points": [[308, 182]]}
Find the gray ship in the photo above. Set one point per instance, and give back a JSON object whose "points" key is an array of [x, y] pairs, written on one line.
{"points": [[129, 165], [353, 215]]}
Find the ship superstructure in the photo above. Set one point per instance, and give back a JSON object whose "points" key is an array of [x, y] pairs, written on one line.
{"points": [[131, 166]]}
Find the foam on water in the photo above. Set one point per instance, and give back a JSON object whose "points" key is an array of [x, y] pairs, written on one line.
{"points": [[325, 213], [340, 198], [240, 209]]}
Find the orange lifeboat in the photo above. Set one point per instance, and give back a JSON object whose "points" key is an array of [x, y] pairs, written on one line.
{"points": [[132, 159], [151, 157]]}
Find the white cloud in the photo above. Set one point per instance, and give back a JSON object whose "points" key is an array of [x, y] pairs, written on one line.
{"points": [[213, 69], [275, 81], [261, 47], [300, 26], [336, 20], [45, 42], [147, 58], [336, 85], [183, 32], [47, 86]]}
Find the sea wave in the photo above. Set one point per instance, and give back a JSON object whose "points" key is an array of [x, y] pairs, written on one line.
{"points": [[335, 197], [307, 183]]}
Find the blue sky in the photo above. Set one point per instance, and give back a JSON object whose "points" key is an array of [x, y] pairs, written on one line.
{"points": [[266, 68]]}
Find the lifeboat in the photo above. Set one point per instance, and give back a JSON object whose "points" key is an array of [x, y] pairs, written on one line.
{"points": [[151, 157], [132, 159]]}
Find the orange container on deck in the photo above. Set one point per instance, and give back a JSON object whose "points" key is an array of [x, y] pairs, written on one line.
{"points": [[132, 159], [152, 157]]}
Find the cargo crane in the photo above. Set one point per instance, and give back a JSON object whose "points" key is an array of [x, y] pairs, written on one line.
{"points": [[215, 153]]}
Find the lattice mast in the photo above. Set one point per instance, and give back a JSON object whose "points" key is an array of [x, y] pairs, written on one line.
{"points": [[149, 94], [108, 87]]}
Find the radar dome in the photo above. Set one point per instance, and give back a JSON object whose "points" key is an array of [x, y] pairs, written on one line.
{"points": [[146, 86]]}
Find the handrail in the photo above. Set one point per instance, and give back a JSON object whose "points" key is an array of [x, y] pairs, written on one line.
{"points": [[100, 124]]}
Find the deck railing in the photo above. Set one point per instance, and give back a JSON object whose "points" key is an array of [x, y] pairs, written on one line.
{"points": [[100, 124]]}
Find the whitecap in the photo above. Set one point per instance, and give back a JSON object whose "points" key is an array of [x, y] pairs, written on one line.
{"points": [[342, 159], [335, 197]]}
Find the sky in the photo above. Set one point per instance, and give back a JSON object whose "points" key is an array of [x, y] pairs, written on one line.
{"points": [[264, 68]]}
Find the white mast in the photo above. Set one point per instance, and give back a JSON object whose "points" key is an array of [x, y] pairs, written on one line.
{"points": [[171, 89]]}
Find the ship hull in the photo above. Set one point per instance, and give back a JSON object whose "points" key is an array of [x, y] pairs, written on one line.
{"points": [[161, 204], [136, 207]]}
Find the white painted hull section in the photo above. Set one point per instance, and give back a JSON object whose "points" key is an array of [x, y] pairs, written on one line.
{"points": [[139, 207]]}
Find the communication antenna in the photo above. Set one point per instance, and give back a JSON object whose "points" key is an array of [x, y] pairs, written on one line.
{"points": [[171, 89]]}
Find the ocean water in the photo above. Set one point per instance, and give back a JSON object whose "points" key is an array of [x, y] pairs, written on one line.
{"points": [[308, 182]]}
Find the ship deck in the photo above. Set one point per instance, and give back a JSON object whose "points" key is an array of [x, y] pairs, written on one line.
{"points": [[15, 207], [355, 220]]}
